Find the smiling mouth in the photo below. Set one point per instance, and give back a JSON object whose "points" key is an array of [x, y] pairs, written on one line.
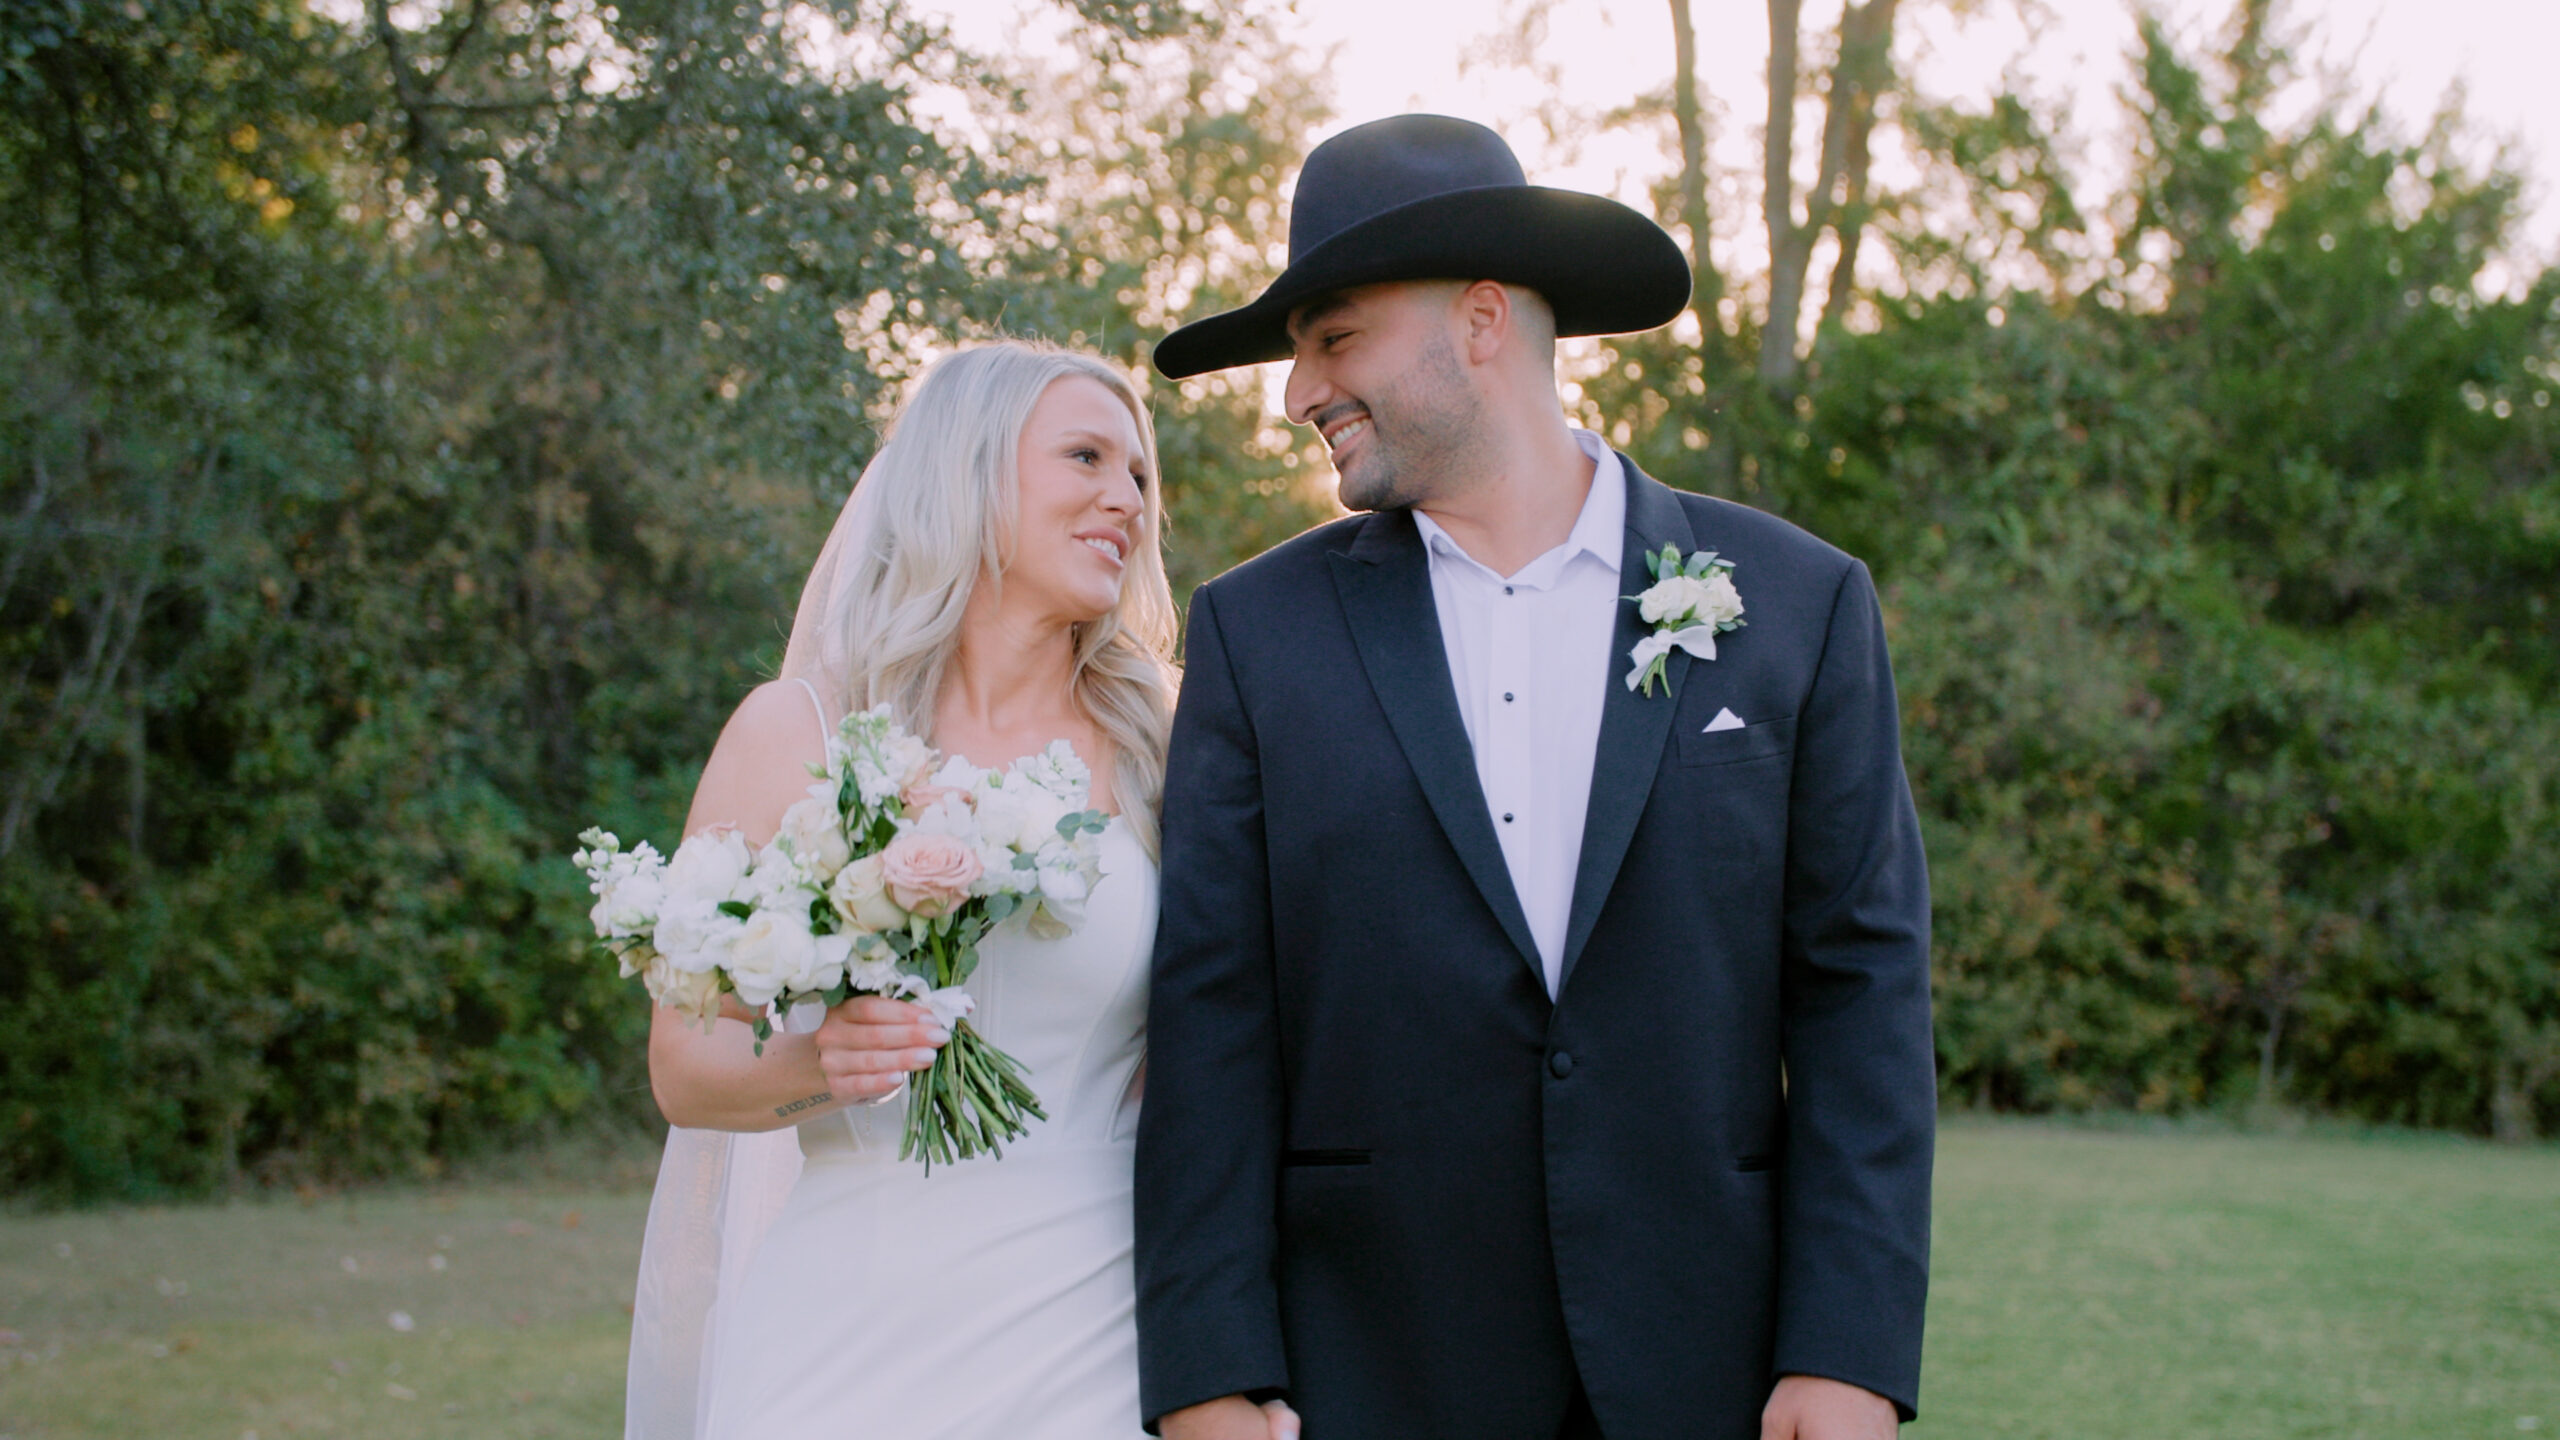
{"points": [[1104, 545], [1336, 439]]}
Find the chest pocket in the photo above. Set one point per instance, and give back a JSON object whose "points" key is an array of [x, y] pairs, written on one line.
{"points": [[1756, 740]]}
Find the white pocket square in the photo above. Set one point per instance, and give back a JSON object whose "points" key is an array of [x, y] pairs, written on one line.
{"points": [[1725, 720]]}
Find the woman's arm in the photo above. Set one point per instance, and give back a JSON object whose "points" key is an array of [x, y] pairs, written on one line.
{"points": [[716, 1080]]}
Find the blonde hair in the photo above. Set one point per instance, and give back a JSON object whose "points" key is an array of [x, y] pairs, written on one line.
{"points": [[934, 511]]}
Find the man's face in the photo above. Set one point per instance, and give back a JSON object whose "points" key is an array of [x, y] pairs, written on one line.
{"points": [[1376, 373]]}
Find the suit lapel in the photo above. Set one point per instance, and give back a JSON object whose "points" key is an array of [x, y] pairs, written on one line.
{"points": [[1385, 583], [1633, 726]]}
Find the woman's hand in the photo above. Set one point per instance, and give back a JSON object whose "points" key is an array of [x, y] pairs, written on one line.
{"points": [[869, 1043]]}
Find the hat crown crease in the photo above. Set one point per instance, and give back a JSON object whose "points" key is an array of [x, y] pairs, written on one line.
{"points": [[1384, 165]]}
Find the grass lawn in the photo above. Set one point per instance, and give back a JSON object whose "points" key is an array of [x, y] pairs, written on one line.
{"points": [[489, 1312], [2150, 1284], [2098, 1284]]}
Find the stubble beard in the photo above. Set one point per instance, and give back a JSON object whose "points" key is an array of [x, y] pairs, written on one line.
{"points": [[1422, 433]]}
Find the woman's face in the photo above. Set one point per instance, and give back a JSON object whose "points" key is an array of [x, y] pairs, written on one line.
{"points": [[1083, 497]]}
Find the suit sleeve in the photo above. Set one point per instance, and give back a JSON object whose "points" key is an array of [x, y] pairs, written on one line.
{"points": [[1209, 1134], [1861, 1076]]}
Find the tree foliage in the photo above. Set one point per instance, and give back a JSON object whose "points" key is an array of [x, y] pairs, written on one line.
{"points": [[416, 425], [2220, 577], [415, 419]]}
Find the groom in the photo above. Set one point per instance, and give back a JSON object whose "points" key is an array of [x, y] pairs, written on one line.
{"points": [[1530, 1055]]}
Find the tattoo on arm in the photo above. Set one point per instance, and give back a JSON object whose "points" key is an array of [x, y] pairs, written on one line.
{"points": [[796, 1106]]}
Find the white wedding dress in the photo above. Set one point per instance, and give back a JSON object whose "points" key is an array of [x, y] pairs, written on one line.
{"points": [[993, 1297]]}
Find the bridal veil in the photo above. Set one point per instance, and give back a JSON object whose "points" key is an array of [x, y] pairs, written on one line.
{"points": [[718, 1193]]}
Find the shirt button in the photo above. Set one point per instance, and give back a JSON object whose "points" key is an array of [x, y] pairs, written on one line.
{"points": [[1506, 817], [1560, 1064], [1506, 589], [1506, 697]]}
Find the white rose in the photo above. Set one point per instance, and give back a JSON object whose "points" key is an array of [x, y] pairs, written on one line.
{"points": [[1003, 817], [773, 953], [636, 957], [1041, 812], [814, 834], [1066, 883], [835, 954], [861, 897], [1672, 600], [695, 935], [696, 993], [1723, 603], [708, 866]]}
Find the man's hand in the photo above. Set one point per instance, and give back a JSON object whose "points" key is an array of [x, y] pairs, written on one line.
{"points": [[1232, 1417], [1808, 1407]]}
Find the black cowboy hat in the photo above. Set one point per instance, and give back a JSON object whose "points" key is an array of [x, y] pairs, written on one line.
{"points": [[1425, 197]]}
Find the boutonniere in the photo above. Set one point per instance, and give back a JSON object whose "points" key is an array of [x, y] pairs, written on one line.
{"points": [[1690, 603]]}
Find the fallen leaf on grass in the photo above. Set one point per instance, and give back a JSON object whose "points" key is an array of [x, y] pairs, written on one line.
{"points": [[398, 1391]]}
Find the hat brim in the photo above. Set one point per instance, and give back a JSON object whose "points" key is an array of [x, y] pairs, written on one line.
{"points": [[1602, 268]]}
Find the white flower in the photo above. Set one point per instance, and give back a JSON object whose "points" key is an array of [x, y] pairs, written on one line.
{"points": [[694, 934], [860, 895], [709, 865], [696, 993], [628, 894], [628, 887], [780, 882], [835, 954], [886, 759], [1059, 771], [1685, 600], [814, 834], [1020, 816], [773, 953], [876, 975], [635, 957], [1692, 602]]}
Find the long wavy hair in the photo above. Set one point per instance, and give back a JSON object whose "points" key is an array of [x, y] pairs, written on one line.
{"points": [[934, 513]]}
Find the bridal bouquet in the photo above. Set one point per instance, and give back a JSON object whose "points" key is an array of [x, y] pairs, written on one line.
{"points": [[882, 882]]}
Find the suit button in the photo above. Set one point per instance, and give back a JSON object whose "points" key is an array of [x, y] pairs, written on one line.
{"points": [[1560, 1064]]}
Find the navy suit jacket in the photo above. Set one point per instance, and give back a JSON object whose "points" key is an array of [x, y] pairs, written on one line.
{"points": [[1380, 1171]]}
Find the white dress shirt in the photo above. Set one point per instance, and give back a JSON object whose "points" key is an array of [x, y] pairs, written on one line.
{"points": [[1529, 654]]}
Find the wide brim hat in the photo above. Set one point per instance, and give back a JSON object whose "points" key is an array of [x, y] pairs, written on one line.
{"points": [[1427, 197]]}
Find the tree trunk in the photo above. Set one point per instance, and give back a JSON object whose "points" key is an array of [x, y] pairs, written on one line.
{"points": [[1706, 288], [1778, 199], [1866, 64], [2270, 1043], [1866, 40]]}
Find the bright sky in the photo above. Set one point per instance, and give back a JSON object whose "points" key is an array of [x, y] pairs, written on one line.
{"points": [[1396, 55]]}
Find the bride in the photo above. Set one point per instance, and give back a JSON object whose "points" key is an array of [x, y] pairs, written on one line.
{"points": [[996, 580]]}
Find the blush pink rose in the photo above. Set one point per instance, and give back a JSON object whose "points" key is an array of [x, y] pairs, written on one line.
{"points": [[929, 874], [921, 794]]}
